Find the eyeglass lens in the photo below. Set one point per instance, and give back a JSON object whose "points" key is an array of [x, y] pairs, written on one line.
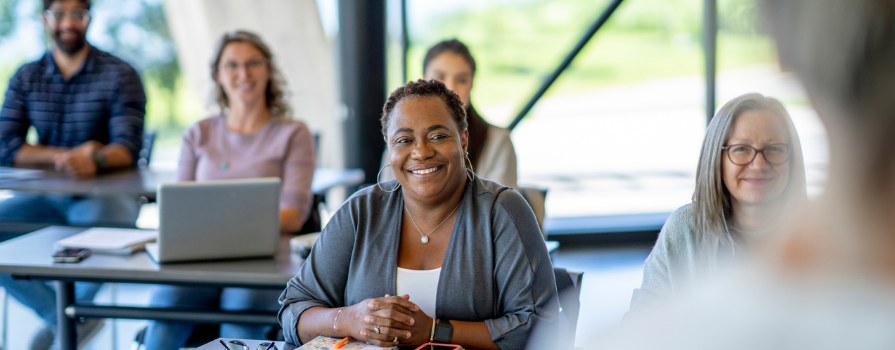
{"points": [[74, 15], [744, 154], [249, 65]]}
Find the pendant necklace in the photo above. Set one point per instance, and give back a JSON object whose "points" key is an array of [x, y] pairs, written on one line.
{"points": [[424, 238]]}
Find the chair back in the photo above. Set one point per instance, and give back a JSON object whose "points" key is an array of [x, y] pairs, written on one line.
{"points": [[314, 223], [145, 155], [568, 285], [536, 198]]}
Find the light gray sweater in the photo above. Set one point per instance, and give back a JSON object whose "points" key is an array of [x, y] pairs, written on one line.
{"points": [[496, 268], [676, 261]]}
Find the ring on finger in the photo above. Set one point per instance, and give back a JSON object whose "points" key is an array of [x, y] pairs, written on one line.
{"points": [[376, 329]]}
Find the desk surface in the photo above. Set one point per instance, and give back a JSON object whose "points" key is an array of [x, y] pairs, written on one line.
{"points": [[144, 182], [31, 255]]}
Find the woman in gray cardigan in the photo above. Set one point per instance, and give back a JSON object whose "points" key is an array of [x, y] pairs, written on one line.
{"points": [[436, 254], [750, 172]]}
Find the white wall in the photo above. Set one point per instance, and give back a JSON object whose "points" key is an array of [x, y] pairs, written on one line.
{"points": [[293, 30]]}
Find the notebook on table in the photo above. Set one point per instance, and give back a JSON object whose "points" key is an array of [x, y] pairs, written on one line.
{"points": [[220, 219], [109, 240]]}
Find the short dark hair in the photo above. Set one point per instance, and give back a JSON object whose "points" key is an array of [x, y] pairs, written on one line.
{"points": [[424, 88], [453, 46], [48, 3]]}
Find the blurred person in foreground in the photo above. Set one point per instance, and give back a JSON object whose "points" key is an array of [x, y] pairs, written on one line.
{"points": [[253, 136], [437, 253], [750, 174], [828, 281]]}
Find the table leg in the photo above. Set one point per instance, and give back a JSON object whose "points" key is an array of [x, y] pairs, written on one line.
{"points": [[65, 296]]}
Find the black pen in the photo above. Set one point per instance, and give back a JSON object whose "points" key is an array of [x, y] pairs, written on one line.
{"points": [[269, 345], [224, 344]]}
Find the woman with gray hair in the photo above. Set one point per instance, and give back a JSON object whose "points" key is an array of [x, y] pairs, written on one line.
{"points": [[826, 281], [750, 172]]}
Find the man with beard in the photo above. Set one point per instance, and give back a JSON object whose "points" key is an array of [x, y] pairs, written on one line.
{"points": [[87, 108]]}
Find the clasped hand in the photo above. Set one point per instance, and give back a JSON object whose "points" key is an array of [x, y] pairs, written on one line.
{"points": [[78, 161], [388, 321]]}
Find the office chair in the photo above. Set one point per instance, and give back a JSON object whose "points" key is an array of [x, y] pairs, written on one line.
{"points": [[315, 217], [537, 199], [568, 285], [145, 155]]}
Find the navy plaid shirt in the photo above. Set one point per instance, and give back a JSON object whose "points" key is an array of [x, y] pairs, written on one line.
{"points": [[104, 101]]}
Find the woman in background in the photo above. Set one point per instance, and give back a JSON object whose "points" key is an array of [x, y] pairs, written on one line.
{"points": [[750, 172], [490, 147], [253, 136]]}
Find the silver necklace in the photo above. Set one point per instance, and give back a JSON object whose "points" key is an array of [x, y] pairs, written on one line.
{"points": [[424, 238]]}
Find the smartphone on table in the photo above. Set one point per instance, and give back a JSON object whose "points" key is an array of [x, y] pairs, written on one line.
{"points": [[70, 255]]}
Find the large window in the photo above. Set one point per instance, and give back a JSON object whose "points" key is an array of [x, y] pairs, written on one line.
{"points": [[620, 131]]}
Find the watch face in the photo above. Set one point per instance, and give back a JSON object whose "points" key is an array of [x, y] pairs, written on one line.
{"points": [[443, 332]]}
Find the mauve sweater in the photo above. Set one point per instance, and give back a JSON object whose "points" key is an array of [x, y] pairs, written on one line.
{"points": [[281, 148]]}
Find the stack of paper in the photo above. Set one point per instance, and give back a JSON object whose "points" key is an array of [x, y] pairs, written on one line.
{"points": [[109, 240]]}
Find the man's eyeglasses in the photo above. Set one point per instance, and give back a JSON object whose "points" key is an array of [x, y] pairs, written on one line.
{"points": [[775, 154], [231, 66], [57, 16]]}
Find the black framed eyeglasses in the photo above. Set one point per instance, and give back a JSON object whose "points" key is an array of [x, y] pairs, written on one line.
{"points": [[82, 15], [775, 154], [236, 344]]}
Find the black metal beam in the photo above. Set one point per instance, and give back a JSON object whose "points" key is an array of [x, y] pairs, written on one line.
{"points": [[164, 314], [550, 79], [710, 48], [362, 78], [405, 41]]}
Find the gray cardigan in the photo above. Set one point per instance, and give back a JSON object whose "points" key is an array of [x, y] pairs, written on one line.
{"points": [[676, 261], [496, 268]]}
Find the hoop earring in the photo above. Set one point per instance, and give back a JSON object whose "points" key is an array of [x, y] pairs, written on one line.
{"points": [[470, 173], [379, 184]]}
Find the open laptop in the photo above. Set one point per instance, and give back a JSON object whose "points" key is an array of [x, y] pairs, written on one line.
{"points": [[220, 219]]}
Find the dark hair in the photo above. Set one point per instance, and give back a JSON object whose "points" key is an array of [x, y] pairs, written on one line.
{"points": [[478, 127], [274, 93], [424, 88], [453, 46], [48, 3]]}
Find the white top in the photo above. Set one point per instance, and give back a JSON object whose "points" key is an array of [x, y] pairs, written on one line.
{"points": [[498, 159], [421, 285]]}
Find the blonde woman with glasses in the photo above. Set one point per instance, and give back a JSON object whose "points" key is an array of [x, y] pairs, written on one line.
{"points": [[750, 172], [253, 136]]}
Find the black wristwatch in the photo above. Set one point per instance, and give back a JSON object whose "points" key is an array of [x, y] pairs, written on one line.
{"points": [[100, 160], [443, 332]]}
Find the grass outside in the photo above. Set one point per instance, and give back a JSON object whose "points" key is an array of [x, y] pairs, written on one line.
{"points": [[613, 59]]}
